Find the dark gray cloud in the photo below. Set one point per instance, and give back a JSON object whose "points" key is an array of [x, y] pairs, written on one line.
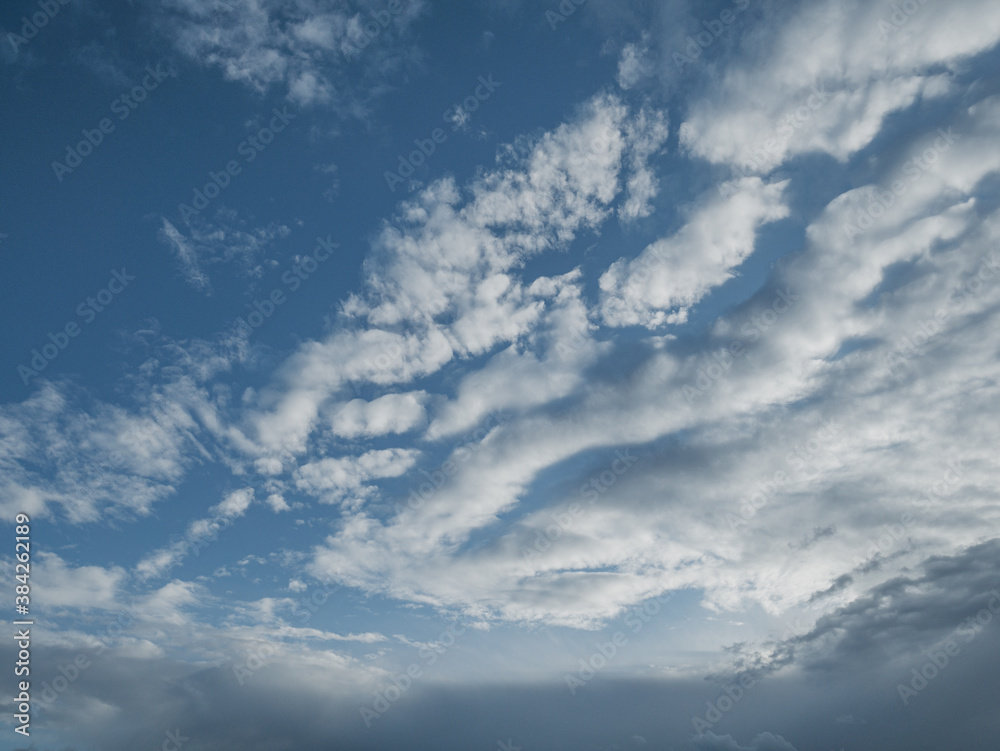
{"points": [[908, 613], [850, 665], [763, 742]]}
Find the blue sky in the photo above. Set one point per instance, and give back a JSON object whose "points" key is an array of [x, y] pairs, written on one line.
{"points": [[503, 374]]}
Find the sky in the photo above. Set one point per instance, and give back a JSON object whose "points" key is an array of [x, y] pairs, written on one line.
{"points": [[501, 375]]}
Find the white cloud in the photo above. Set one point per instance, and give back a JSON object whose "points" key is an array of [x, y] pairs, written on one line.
{"points": [[268, 465], [225, 239], [743, 419], [60, 585], [444, 283], [200, 533], [392, 413], [549, 364], [672, 274], [827, 78], [344, 479], [646, 134], [632, 66], [87, 457], [329, 56], [277, 503], [234, 504], [443, 270], [169, 603], [187, 256]]}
